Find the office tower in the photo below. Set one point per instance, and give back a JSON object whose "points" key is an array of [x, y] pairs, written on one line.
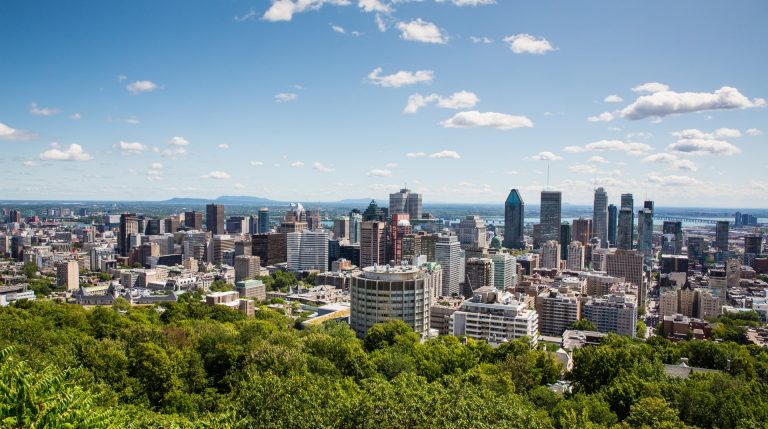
{"points": [[350, 252], [613, 313], [575, 259], [341, 228], [193, 220], [129, 224], [68, 274], [697, 249], [292, 226], [334, 252], [581, 230], [613, 216], [628, 202], [737, 220], [148, 254], [238, 225], [247, 267], [374, 213], [600, 217], [733, 272], [448, 255], [244, 246], [171, 224], [14, 216], [645, 231], [514, 217], [383, 293], [428, 243], [478, 272], [307, 250], [221, 244], [504, 271], [551, 204], [271, 248], [472, 233], [565, 239], [494, 316], [626, 229], [721, 235], [214, 218], [672, 240], [550, 255], [628, 264], [355, 219], [674, 264], [753, 245], [556, 312], [400, 227], [405, 201], [264, 226], [373, 243], [314, 220], [154, 227], [536, 236], [412, 246]]}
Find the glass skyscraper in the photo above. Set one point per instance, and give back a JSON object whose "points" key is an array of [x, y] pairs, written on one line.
{"points": [[550, 215], [600, 217], [613, 216], [514, 214]]}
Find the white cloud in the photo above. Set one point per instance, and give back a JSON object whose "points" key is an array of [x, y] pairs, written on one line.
{"points": [[42, 111], [528, 44], [338, 29], [248, 16], [664, 103], [173, 152], [222, 146], [377, 172], [639, 135], [421, 31], [73, 152], [401, 78], [178, 141], [754, 132], [484, 40], [75, 116], [672, 180], [132, 120], [131, 148], [297, 164], [415, 154], [461, 3], [695, 146], [597, 160], [30, 163], [473, 188], [457, 100], [603, 117], [323, 168], [727, 132], [574, 149], [373, 6], [285, 97], [283, 10], [239, 186], [631, 148], [218, 175], [391, 165], [155, 171], [613, 98], [8, 133], [473, 119], [671, 160], [445, 154], [546, 156], [583, 169], [140, 86], [381, 22], [693, 133], [651, 87], [256, 163]]}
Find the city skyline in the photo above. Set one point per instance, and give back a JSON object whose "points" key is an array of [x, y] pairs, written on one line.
{"points": [[317, 103]]}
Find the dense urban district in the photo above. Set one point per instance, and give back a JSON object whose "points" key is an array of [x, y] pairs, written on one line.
{"points": [[176, 316]]}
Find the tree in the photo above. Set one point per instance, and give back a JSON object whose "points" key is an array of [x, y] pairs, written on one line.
{"points": [[641, 329], [385, 334], [654, 413], [30, 270], [583, 325], [220, 286]]}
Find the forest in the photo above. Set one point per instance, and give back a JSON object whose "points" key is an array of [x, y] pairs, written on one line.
{"points": [[185, 364]]}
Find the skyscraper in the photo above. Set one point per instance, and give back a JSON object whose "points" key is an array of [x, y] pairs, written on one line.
{"points": [[355, 219], [448, 255], [193, 220], [405, 201], [472, 233], [374, 212], [307, 250], [263, 220], [551, 203], [613, 216], [565, 239], [514, 213], [645, 231], [600, 217], [550, 255], [214, 218], [129, 224], [581, 230], [398, 229], [721, 235], [373, 243], [504, 274], [672, 240]]}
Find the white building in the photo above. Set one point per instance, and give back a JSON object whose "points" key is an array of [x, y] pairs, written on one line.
{"points": [[494, 316], [448, 254], [550, 255], [575, 256], [307, 250], [614, 313], [504, 271]]}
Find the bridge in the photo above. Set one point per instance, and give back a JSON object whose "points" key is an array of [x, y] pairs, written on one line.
{"points": [[684, 219]]}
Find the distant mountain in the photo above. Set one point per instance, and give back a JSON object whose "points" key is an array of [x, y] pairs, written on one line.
{"points": [[226, 199]]}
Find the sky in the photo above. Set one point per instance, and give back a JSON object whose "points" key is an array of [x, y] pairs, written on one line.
{"points": [[322, 100]]}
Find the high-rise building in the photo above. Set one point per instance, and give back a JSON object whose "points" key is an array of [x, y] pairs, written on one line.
{"points": [[696, 249], [753, 247], [412, 246], [405, 201], [614, 313], [628, 264], [721, 235], [672, 240], [382, 293], [565, 239], [550, 215], [478, 273], [494, 316], [398, 229], [556, 312], [129, 224], [264, 226], [247, 267], [221, 244], [271, 248], [307, 250], [355, 219], [193, 220], [550, 255], [472, 233], [374, 213], [600, 217], [645, 231], [514, 214], [575, 259], [214, 218], [449, 255], [581, 230], [341, 228], [68, 274], [238, 225], [613, 216], [626, 229], [171, 224], [504, 271], [628, 202], [373, 243]]}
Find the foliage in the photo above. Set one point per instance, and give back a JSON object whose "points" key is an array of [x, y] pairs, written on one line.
{"points": [[221, 286], [583, 325]]}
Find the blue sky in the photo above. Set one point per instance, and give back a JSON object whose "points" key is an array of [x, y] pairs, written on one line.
{"points": [[324, 100]]}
